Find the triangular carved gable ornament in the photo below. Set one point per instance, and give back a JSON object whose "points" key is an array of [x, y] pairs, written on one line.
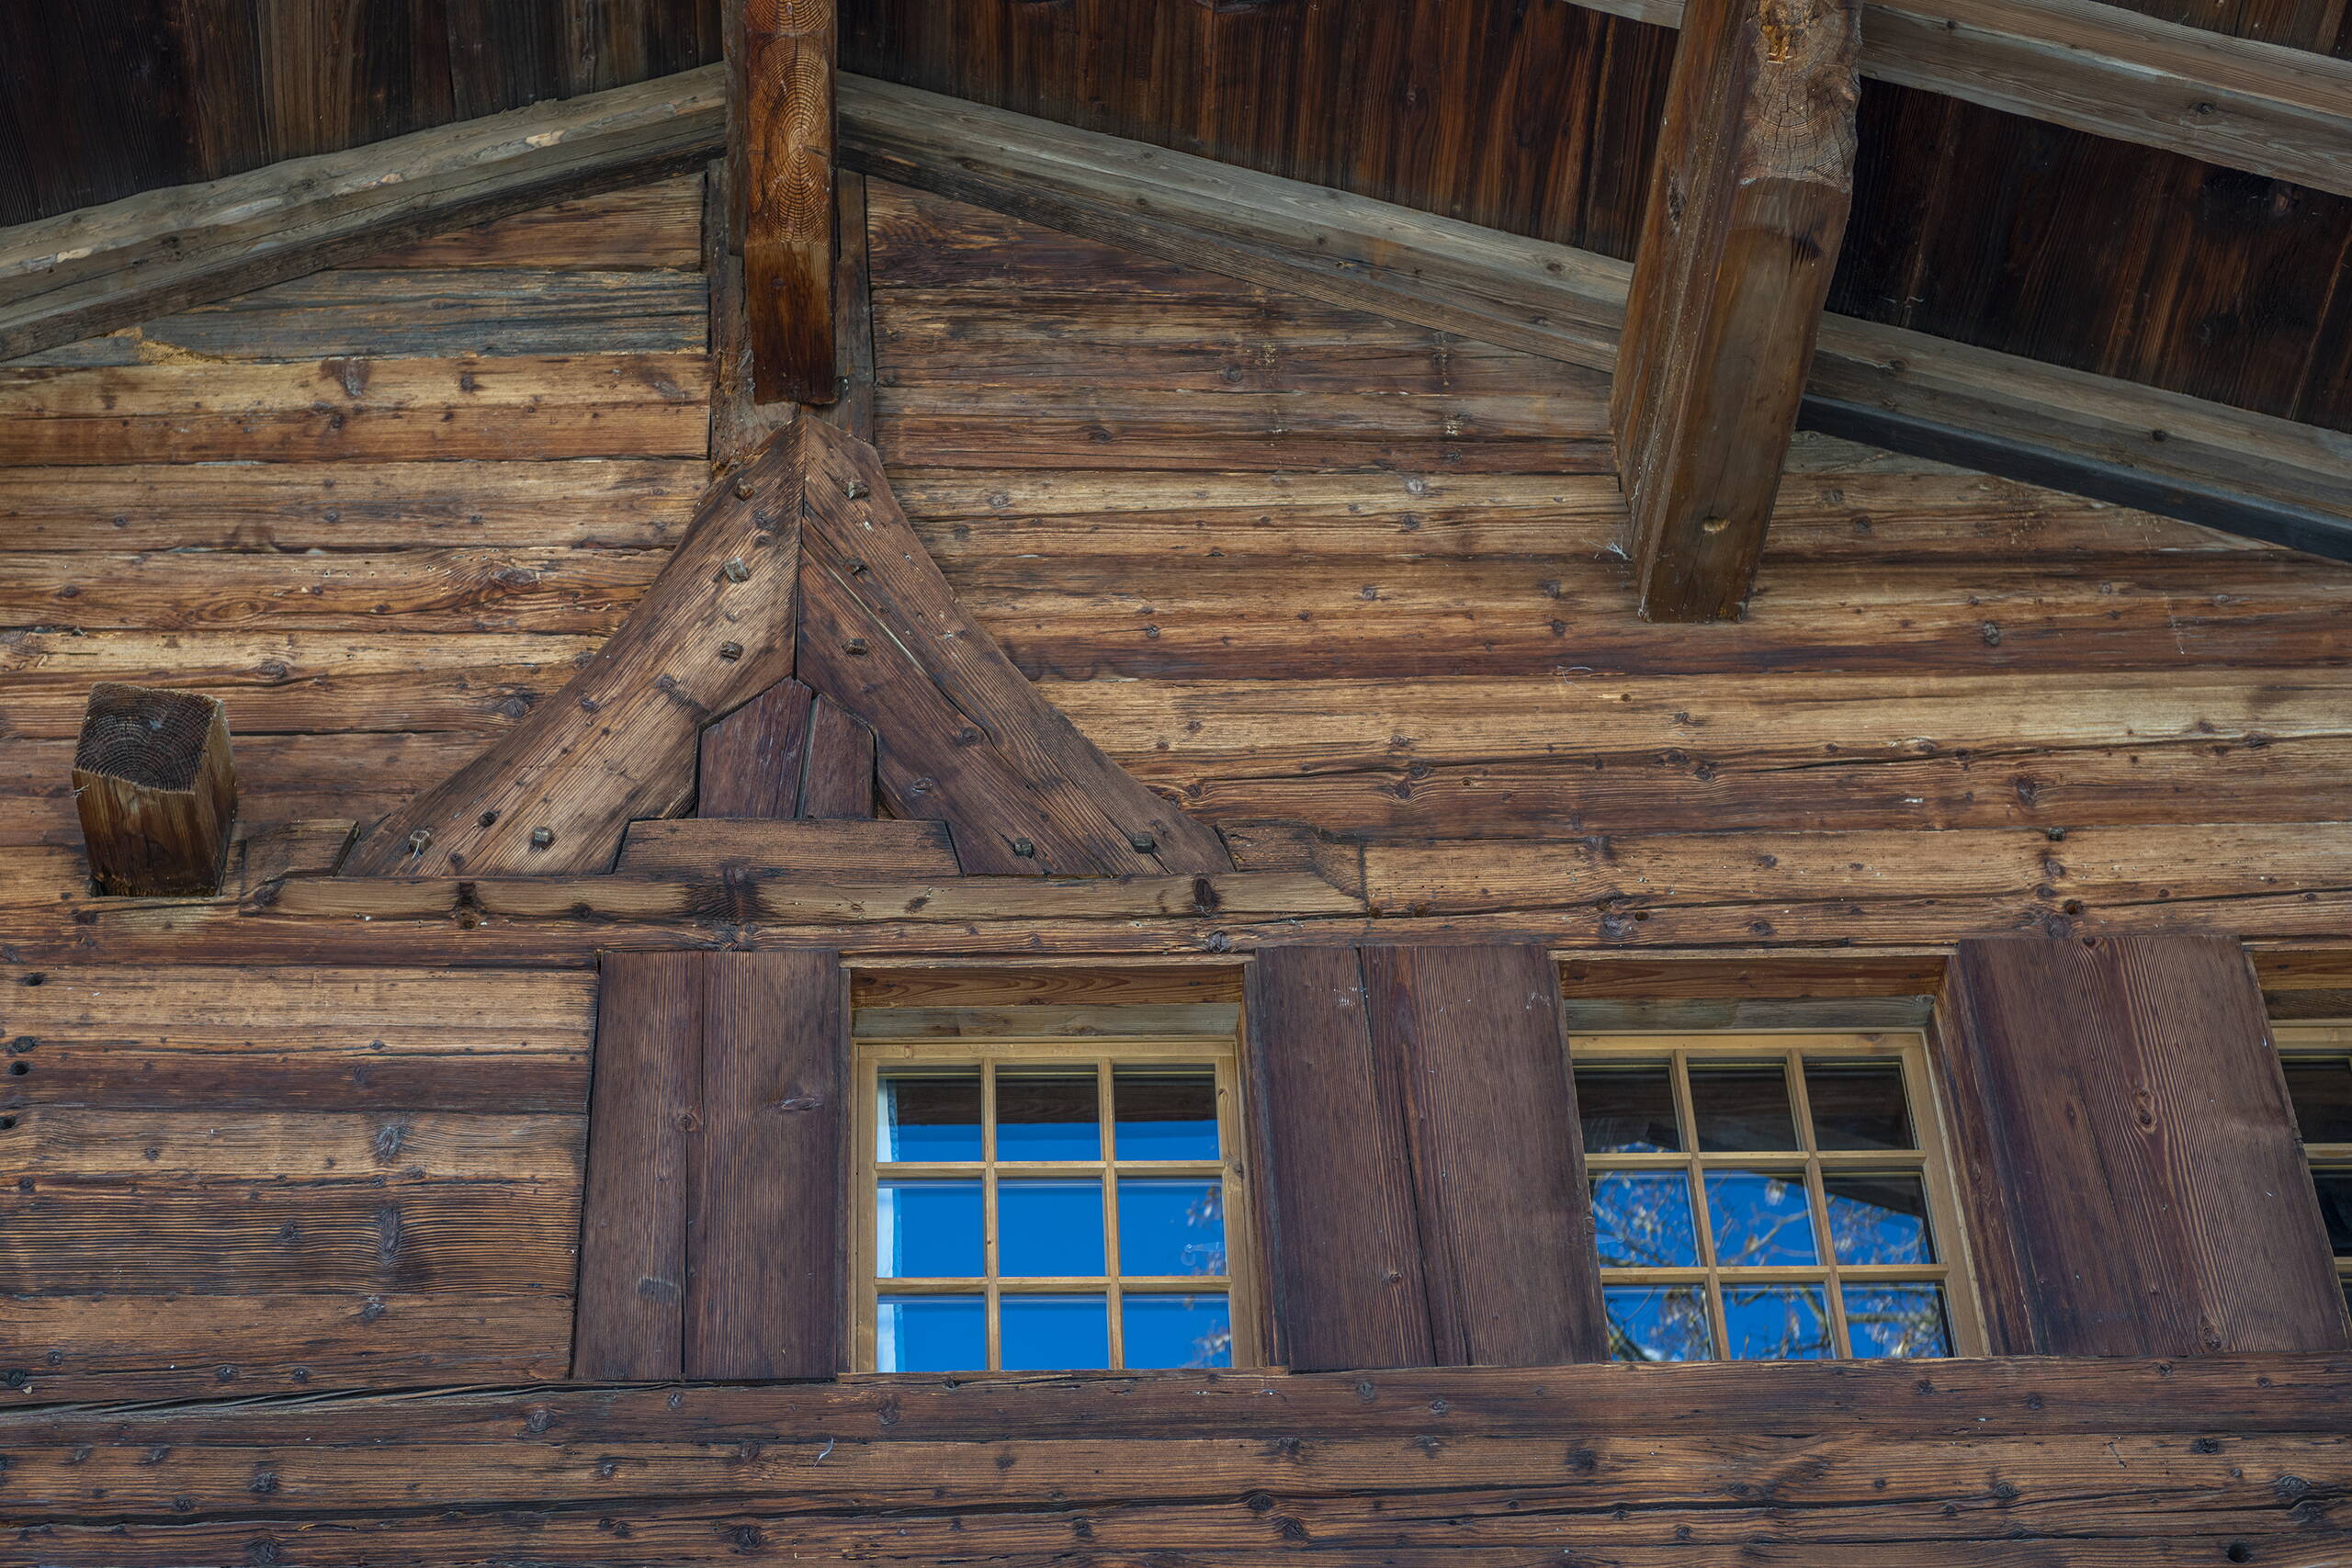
{"points": [[800, 612]]}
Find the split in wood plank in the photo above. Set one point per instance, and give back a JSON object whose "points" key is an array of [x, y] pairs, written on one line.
{"points": [[1748, 195]]}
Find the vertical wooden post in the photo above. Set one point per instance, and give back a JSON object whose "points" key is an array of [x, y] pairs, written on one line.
{"points": [[157, 791], [784, 51], [1747, 212], [2129, 1162]]}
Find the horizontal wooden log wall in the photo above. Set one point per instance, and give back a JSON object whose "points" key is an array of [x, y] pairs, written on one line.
{"points": [[1978, 1463], [2107, 719]]}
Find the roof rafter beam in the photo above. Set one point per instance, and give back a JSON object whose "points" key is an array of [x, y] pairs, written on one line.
{"points": [[2262, 108]]}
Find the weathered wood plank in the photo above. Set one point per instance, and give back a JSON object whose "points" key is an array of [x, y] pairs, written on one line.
{"points": [[1132, 986], [840, 782], [845, 850], [555, 793], [417, 314], [636, 1205], [191, 1346], [963, 737], [786, 74], [1749, 193], [588, 406], [653, 225], [86, 272], [622, 503], [751, 763], [2134, 1181]]}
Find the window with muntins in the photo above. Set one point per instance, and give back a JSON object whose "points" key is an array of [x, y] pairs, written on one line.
{"points": [[2318, 1062], [1050, 1205], [1770, 1197]]}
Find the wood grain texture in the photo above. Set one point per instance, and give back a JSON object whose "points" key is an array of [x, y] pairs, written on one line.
{"points": [[636, 1205], [767, 1216], [2093, 1464], [845, 848], [750, 763], [1746, 212], [1344, 1252], [962, 737], [86, 272], [839, 781], [786, 233], [619, 742], [157, 787], [1476, 1039], [2134, 1181], [1559, 301]]}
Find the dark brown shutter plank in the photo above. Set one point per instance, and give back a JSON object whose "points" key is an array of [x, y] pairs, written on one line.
{"points": [[765, 1292], [2136, 1185], [1476, 1037], [629, 1322], [1343, 1244]]}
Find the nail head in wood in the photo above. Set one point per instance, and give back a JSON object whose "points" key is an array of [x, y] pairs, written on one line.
{"points": [[745, 488], [856, 490], [156, 788], [419, 840], [730, 651], [1025, 848], [542, 836], [855, 646], [736, 571], [1142, 843]]}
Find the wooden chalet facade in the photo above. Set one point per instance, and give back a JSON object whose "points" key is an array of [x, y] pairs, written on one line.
{"points": [[1270, 781]]}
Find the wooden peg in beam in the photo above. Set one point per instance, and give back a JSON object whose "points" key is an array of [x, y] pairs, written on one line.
{"points": [[786, 49], [1747, 212], [157, 791]]}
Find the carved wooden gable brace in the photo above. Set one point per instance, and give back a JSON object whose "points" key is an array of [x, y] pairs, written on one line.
{"points": [[799, 613]]}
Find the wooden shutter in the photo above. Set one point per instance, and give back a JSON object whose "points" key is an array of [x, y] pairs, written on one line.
{"points": [[1418, 1158], [2128, 1157], [711, 1239]]}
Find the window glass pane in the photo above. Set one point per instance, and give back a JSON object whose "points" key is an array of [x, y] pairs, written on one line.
{"points": [[931, 1334], [1657, 1322], [1164, 1115], [1742, 1106], [2321, 1087], [1177, 1331], [1897, 1320], [1858, 1105], [1878, 1219], [1759, 1217], [1627, 1109], [2335, 1207], [1172, 1225], [1642, 1219], [1048, 1228], [1047, 1116], [928, 1230], [1041, 1333], [1776, 1322], [930, 1116]]}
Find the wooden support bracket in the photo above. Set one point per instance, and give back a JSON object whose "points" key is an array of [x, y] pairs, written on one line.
{"points": [[157, 791], [1747, 210]]}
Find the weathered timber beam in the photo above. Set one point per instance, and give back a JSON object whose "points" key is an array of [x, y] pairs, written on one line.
{"points": [[1747, 212], [2204, 462], [781, 146], [157, 791], [962, 735], [102, 268], [2262, 108], [554, 794], [786, 753]]}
